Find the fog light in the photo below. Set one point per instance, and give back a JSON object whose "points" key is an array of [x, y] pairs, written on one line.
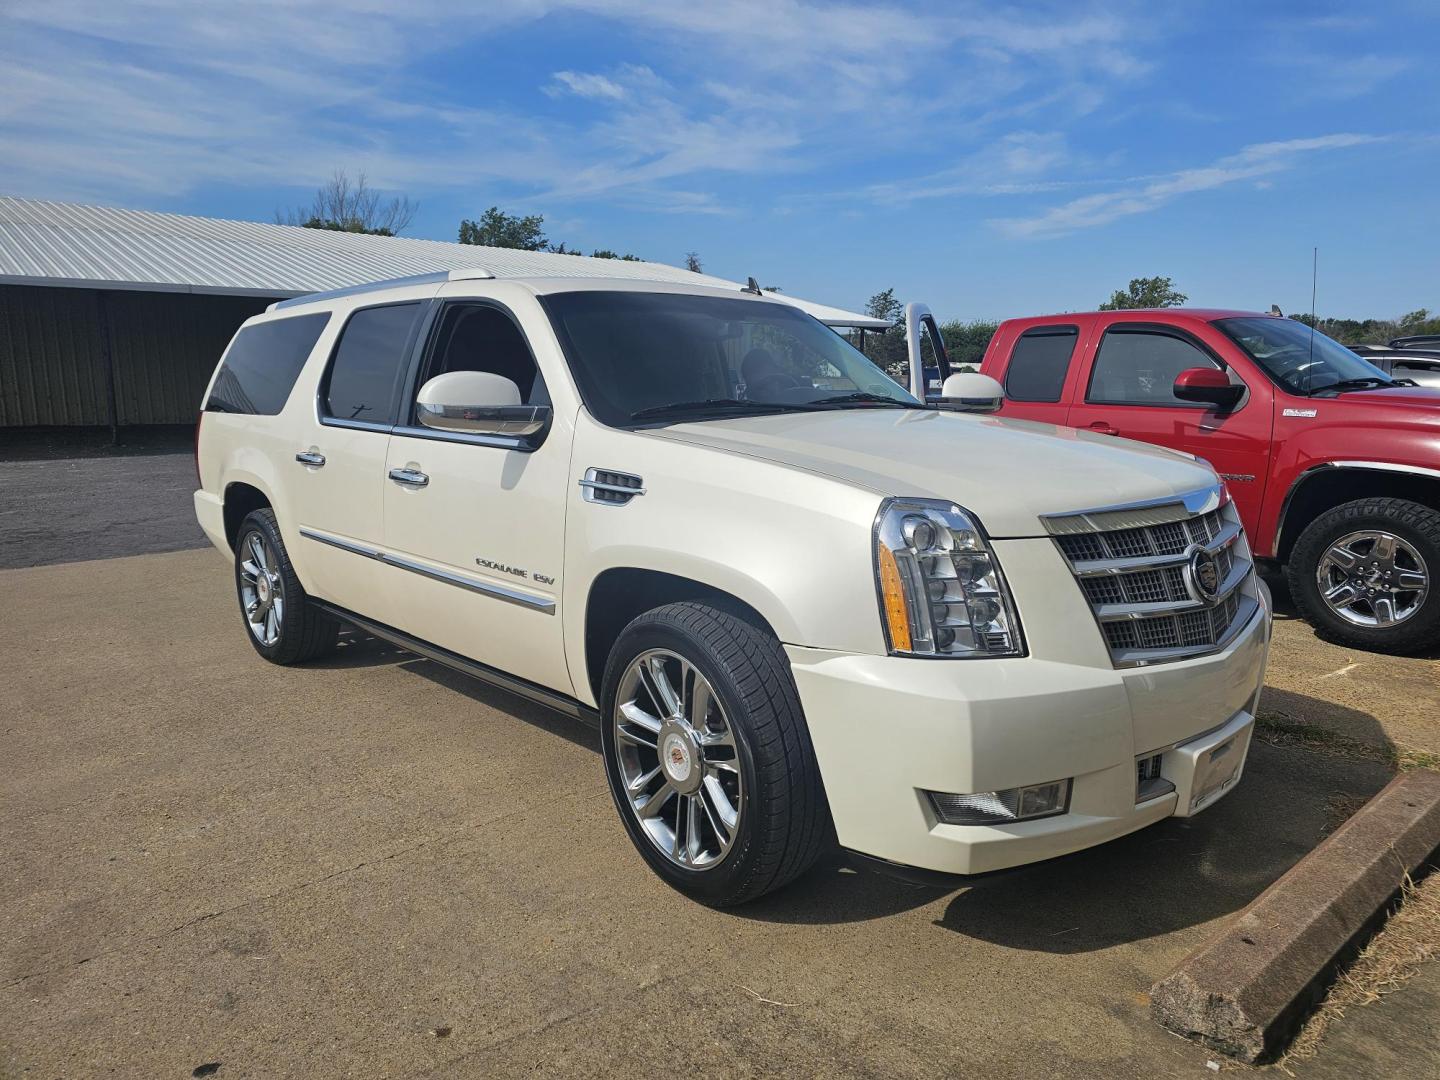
{"points": [[999, 807]]}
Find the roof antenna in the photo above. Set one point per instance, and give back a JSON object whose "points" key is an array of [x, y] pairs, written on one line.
{"points": [[1314, 277], [752, 286]]}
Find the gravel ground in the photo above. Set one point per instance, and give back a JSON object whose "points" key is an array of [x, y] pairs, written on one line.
{"points": [[371, 866], [314, 871]]}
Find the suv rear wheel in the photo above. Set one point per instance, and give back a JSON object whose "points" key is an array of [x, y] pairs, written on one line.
{"points": [[284, 625], [1365, 574], [708, 756]]}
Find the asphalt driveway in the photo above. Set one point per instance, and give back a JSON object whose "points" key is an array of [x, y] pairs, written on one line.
{"points": [[97, 506]]}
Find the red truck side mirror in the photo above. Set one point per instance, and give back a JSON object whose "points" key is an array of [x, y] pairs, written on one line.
{"points": [[1208, 385]]}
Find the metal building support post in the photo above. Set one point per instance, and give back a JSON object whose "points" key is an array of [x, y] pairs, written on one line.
{"points": [[107, 355]]}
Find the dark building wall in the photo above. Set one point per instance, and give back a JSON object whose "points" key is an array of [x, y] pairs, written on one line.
{"points": [[161, 347]]}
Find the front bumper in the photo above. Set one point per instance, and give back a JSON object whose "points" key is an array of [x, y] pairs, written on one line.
{"points": [[888, 729]]}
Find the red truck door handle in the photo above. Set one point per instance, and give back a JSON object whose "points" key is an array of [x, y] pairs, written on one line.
{"points": [[1101, 427]]}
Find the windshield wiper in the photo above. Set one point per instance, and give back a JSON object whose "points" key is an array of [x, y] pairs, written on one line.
{"points": [[864, 395], [719, 405], [1365, 382]]}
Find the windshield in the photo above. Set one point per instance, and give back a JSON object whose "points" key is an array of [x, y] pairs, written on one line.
{"points": [[642, 357], [1302, 360]]}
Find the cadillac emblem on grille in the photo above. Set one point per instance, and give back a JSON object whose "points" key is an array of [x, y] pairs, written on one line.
{"points": [[1203, 576]]}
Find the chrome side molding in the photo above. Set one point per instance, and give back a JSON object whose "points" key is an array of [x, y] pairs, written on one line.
{"points": [[543, 604]]}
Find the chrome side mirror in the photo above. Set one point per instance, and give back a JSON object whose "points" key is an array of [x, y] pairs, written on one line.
{"points": [[969, 391], [477, 403]]}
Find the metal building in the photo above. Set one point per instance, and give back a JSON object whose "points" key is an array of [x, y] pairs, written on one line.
{"points": [[115, 317]]}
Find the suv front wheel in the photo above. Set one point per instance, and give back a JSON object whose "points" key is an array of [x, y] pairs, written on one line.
{"points": [[708, 756], [284, 625], [1365, 574]]}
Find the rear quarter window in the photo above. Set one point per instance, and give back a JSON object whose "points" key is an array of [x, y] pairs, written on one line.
{"points": [[365, 375], [1039, 363], [262, 364]]}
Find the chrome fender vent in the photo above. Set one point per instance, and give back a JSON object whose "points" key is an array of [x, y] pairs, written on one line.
{"points": [[610, 488]]}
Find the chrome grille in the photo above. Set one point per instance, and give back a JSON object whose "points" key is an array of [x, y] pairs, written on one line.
{"points": [[1134, 568], [1169, 538]]}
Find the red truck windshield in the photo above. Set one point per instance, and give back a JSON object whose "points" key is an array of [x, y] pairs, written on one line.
{"points": [[1302, 360]]}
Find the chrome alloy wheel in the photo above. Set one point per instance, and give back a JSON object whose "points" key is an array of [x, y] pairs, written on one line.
{"points": [[677, 759], [1372, 578], [262, 593]]}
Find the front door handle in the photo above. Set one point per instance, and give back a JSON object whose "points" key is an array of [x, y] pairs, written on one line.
{"points": [[310, 457], [409, 477], [1101, 427]]}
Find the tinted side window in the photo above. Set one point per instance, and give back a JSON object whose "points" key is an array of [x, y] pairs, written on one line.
{"points": [[262, 364], [365, 374], [477, 337], [1138, 367], [1039, 363]]}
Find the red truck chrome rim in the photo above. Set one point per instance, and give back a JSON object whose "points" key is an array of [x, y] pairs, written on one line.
{"points": [[1372, 578]]}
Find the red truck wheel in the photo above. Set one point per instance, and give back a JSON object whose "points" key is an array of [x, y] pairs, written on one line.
{"points": [[1367, 574]]}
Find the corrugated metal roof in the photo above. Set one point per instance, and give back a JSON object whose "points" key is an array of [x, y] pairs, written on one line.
{"points": [[70, 244]]}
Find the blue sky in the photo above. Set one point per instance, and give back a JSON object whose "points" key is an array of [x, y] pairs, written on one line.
{"points": [[992, 160]]}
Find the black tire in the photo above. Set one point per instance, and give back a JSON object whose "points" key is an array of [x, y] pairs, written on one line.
{"points": [[784, 820], [1417, 525], [304, 631]]}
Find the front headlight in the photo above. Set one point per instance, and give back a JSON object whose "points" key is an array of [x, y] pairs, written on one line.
{"points": [[941, 590]]}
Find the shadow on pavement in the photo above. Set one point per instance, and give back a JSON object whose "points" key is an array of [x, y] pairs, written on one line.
{"points": [[1179, 873], [357, 649], [1280, 594], [504, 701], [1174, 875]]}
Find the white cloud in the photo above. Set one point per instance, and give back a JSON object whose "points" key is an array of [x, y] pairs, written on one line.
{"points": [[1340, 78], [156, 98], [1144, 195], [1021, 161], [586, 85]]}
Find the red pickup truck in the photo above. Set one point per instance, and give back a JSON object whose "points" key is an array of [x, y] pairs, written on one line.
{"points": [[1334, 466]]}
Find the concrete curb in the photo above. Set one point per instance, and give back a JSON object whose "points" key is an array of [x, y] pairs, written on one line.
{"points": [[1244, 992]]}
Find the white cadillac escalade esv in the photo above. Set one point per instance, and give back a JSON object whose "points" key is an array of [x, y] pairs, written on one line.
{"points": [[801, 605]]}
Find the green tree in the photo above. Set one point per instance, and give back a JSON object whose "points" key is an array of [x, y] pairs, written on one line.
{"points": [[966, 342], [692, 262], [496, 228], [1147, 292], [883, 305], [1419, 322], [606, 253], [1372, 331], [886, 348]]}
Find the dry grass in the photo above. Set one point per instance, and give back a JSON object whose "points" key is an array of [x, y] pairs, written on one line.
{"points": [[1278, 729], [1408, 939]]}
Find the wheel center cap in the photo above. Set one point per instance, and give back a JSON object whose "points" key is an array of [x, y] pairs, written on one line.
{"points": [[677, 757], [262, 588]]}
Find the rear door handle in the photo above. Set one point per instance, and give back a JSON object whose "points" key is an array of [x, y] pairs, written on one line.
{"points": [[310, 457], [1101, 427], [409, 477]]}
